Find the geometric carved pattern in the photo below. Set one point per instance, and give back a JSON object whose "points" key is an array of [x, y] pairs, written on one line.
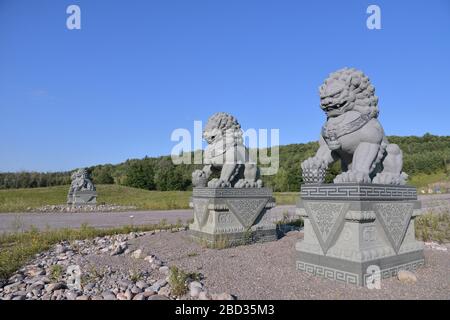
{"points": [[394, 217], [247, 210], [327, 219], [329, 273], [357, 192], [231, 192], [201, 210]]}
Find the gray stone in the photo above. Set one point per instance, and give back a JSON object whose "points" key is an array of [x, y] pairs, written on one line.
{"points": [[139, 296], [157, 297], [108, 295], [137, 254], [406, 276], [141, 284], [352, 231], [204, 295], [353, 135], [54, 286], [222, 296], [164, 270], [195, 291], [72, 295], [158, 284], [82, 190]]}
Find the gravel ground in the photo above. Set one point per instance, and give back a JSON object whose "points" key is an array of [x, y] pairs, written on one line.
{"points": [[267, 271]]}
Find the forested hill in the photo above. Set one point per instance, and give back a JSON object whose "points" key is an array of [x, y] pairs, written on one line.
{"points": [[426, 155]]}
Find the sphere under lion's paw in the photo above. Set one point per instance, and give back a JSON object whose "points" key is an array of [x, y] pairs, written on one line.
{"points": [[387, 178]]}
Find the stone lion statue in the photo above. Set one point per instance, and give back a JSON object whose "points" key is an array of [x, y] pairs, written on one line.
{"points": [[353, 134], [81, 181], [226, 153]]}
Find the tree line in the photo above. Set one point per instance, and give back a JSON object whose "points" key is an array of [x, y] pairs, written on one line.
{"points": [[422, 155]]}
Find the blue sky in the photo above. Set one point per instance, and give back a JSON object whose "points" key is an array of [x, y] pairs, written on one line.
{"points": [[137, 70]]}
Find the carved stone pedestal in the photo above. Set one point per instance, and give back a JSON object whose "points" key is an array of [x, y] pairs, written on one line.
{"points": [[232, 216], [353, 230], [82, 197]]}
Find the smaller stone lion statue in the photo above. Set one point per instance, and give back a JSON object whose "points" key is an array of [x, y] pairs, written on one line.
{"points": [[353, 134], [226, 153], [81, 181]]}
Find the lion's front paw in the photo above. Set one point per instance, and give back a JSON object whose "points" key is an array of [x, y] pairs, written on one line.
{"points": [[390, 178], [218, 183], [199, 178], [352, 177], [243, 183]]}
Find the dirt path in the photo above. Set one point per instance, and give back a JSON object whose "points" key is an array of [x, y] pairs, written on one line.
{"points": [[10, 222]]}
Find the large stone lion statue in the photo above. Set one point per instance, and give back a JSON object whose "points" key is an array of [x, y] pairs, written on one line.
{"points": [[226, 153], [353, 134]]}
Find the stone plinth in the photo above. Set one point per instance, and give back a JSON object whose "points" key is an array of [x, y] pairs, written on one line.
{"points": [[82, 197], [352, 227], [232, 216]]}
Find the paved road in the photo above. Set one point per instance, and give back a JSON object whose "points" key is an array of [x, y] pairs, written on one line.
{"points": [[23, 221]]}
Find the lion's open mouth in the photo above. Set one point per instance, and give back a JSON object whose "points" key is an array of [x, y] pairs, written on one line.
{"points": [[335, 109]]}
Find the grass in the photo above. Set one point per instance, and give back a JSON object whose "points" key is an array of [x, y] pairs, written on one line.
{"points": [[433, 227], [20, 200], [178, 280], [423, 180], [18, 248], [56, 272]]}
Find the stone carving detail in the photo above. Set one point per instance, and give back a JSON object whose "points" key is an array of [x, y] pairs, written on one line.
{"points": [[353, 134], [327, 220], [327, 272], [201, 211], [226, 154], [357, 192], [230, 192], [395, 218], [369, 234], [82, 190], [246, 210]]}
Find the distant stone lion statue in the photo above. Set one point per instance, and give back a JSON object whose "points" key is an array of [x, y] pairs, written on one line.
{"points": [[226, 153], [81, 181], [353, 134]]}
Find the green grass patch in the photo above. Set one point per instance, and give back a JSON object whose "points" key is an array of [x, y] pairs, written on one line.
{"points": [[422, 180], [18, 248], [286, 198], [21, 200], [433, 227]]}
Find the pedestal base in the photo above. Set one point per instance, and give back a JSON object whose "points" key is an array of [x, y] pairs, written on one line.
{"points": [[82, 198], [231, 216], [353, 230]]}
